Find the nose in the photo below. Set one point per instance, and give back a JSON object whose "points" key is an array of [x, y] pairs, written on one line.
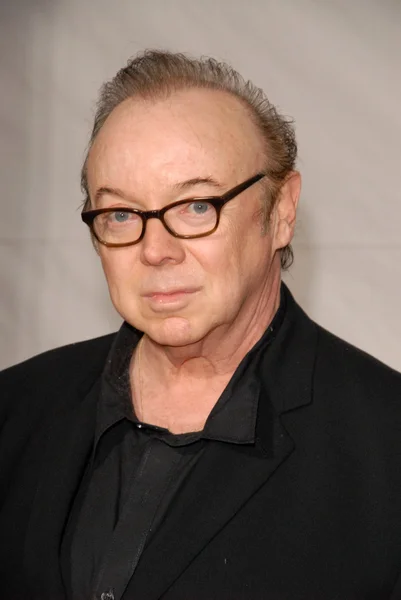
{"points": [[159, 247]]}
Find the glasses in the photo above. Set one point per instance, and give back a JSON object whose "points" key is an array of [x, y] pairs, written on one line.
{"points": [[187, 219]]}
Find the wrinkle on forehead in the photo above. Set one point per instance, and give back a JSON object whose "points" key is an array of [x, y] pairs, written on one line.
{"points": [[193, 133]]}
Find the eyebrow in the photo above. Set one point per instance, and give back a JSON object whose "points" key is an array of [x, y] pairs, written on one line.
{"points": [[180, 186], [102, 191], [183, 185]]}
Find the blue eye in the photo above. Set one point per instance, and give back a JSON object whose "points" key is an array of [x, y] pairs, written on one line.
{"points": [[200, 208], [121, 216]]}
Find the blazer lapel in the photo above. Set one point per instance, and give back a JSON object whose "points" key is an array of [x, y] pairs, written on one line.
{"points": [[68, 450]]}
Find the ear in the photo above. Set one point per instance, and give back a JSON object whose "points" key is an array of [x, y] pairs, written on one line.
{"points": [[285, 210]]}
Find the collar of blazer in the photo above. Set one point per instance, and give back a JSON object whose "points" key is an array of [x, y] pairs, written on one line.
{"points": [[218, 487]]}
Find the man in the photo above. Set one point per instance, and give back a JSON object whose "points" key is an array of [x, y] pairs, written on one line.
{"points": [[221, 445]]}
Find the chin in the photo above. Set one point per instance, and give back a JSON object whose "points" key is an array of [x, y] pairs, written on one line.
{"points": [[174, 331]]}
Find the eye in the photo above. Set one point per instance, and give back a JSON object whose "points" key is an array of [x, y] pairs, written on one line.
{"points": [[120, 216], [199, 208]]}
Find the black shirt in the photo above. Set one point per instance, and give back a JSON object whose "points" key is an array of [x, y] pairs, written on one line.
{"points": [[137, 470]]}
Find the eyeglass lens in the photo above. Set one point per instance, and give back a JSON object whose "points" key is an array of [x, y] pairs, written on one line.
{"points": [[187, 219]]}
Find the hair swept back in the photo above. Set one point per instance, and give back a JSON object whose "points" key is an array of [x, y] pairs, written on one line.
{"points": [[154, 74]]}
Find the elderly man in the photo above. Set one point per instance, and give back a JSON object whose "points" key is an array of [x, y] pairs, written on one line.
{"points": [[221, 445]]}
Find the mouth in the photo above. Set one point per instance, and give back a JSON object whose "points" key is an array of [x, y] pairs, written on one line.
{"points": [[171, 296]]}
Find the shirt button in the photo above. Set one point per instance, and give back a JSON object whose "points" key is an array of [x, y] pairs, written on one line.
{"points": [[139, 425], [109, 595]]}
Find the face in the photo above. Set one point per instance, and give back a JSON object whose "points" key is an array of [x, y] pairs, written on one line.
{"points": [[152, 153]]}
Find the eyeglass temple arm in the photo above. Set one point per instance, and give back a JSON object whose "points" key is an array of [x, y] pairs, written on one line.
{"points": [[242, 187]]}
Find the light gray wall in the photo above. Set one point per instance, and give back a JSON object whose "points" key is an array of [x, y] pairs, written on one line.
{"points": [[334, 65]]}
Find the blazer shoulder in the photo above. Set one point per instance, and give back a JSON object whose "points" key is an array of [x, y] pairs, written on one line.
{"points": [[72, 366], [89, 351], [342, 365]]}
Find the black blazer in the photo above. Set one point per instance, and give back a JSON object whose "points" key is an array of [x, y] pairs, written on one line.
{"points": [[311, 512]]}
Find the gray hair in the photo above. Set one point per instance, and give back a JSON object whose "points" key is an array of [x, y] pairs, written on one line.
{"points": [[157, 74]]}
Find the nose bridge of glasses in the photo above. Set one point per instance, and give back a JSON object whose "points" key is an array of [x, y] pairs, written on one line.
{"points": [[152, 214], [157, 214]]}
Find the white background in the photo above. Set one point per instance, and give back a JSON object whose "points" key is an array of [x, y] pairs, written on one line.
{"points": [[334, 65]]}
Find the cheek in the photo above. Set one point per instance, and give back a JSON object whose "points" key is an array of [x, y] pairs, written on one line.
{"points": [[249, 257], [118, 268], [219, 259]]}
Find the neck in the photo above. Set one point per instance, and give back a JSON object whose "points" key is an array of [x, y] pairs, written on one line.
{"points": [[200, 371]]}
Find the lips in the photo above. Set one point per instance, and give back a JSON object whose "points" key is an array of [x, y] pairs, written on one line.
{"points": [[173, 298], [168, 293]]}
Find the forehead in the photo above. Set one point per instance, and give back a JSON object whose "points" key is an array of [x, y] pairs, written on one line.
{"points": [[189, 134]]}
